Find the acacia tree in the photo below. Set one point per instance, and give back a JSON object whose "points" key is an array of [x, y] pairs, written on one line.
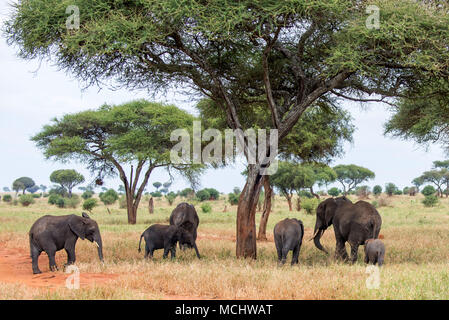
{"points": [[351, 175], [67, 179], [134, 134], [437, 177], [288, 54], [23, 184]]}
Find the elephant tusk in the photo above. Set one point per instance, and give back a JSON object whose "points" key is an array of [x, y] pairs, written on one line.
{"points": [[316, 232], [96, 243]]}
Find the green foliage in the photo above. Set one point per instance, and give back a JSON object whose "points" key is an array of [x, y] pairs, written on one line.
{"points": [[156, 194], [375, 204], [109, 197], [157, 185], [171, 196], [333, 192], [22, 184], [87, 194], [362, 191], [305, 194], [36, 195], [377, 190], [89, 204], [61, 191], [72, 202], [430, 201], [350, 176], [405, 190], [310, 205], [33, 189], [54, 198], [187, 192], [233, 198], [206, 207], [398, 192], [7, 198], [203, 195], [428, 190], [67, 179], [60, 202], [26, 199], [390, 189], [237, 190]]}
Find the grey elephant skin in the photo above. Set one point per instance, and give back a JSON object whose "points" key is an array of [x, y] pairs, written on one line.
{"points": [[159, 236], [54, 233], [374, 252], [185, 216], [288, 235], [353, 223]]}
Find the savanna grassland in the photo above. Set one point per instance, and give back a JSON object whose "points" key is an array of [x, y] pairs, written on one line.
{"points": [[416, 262]]}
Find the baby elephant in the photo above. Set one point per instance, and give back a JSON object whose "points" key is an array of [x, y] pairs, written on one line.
{"points": [[159, 236], [288, 235], [374, 251]]}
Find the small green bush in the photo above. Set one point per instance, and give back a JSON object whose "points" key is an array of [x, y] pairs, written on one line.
{"points": [[53, 198], [87, 194], [203, 195], [7, 198], [109, 197], [89, 204], [430, 201], [428, 190], [333, 192], [310, 205], [377, 190], [375, 204], [171, 196], [60, 203], [26, 199], [36, 195], [233, 198], [206, 207], [72, 202]]}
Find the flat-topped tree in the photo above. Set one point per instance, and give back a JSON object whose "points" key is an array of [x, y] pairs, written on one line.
{"points": [[112, 138], [67, 178], [288, 54], [350, 176]]}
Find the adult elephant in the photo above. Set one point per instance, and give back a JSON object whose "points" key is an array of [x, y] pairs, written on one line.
{"points": [[353, 223], [54, 233], [185, 216]]}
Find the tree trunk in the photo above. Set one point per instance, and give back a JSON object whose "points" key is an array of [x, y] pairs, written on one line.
{"points": [[289, 200], [314, 194], [266, 209], [151, 206], [246, 215], [132, 212], [298, 204]]}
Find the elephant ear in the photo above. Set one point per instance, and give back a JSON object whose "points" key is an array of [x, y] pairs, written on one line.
{"points": [[329, 211], [78, 226], [85, 215]]}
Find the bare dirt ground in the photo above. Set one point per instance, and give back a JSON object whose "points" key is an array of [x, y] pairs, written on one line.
{"points": [[15, 267]]}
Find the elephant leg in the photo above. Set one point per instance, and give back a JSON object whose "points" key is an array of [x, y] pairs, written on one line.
{"points": [[35, 252], [354, 252], [285, 251], [70, 256], [279, 251], [340, 250], [366, 260], [51, 259], [295, 254], [147, 251], [166, 250], [173, 252]]}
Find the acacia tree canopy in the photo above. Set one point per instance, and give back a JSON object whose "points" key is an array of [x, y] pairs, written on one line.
{"points": [[351, 175], [67, 179], [288, 54], [135, 134]]}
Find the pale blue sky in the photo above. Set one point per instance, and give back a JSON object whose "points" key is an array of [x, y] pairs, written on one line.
{"points": [[31, 95]]}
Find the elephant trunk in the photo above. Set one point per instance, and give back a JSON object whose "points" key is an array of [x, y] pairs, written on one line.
{"points": [[99, 243], [316, 239]]}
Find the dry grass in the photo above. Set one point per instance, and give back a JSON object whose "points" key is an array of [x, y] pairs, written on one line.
{"points": [[416, 263]]}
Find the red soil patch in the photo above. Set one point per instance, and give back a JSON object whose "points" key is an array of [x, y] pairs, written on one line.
{"points": [[15, 267]]}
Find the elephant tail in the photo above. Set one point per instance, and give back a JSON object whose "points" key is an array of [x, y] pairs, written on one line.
{"points": [[140, 241], [302, 231]]}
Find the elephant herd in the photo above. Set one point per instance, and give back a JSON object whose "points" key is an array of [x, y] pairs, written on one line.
{"points": [[356, 223]]}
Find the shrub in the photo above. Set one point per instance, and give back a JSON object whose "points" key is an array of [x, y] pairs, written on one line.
{"points": [[53, 198], [334, 192], [397, 192], [60, 202], [362, 192], [390, 189], [26, 199], [377, 190], [203, 195], [406, 190], [72, 202], [87, 194], [214, 194], [430, 201], [187, 192], [428, 190], [206, 207], [310, 205], [375, 204], [233, 198], [59, 191], [305, 194], [36, 195], [89, 204], [7, 198], [109, 197], [156, 194], [171, 196]]}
